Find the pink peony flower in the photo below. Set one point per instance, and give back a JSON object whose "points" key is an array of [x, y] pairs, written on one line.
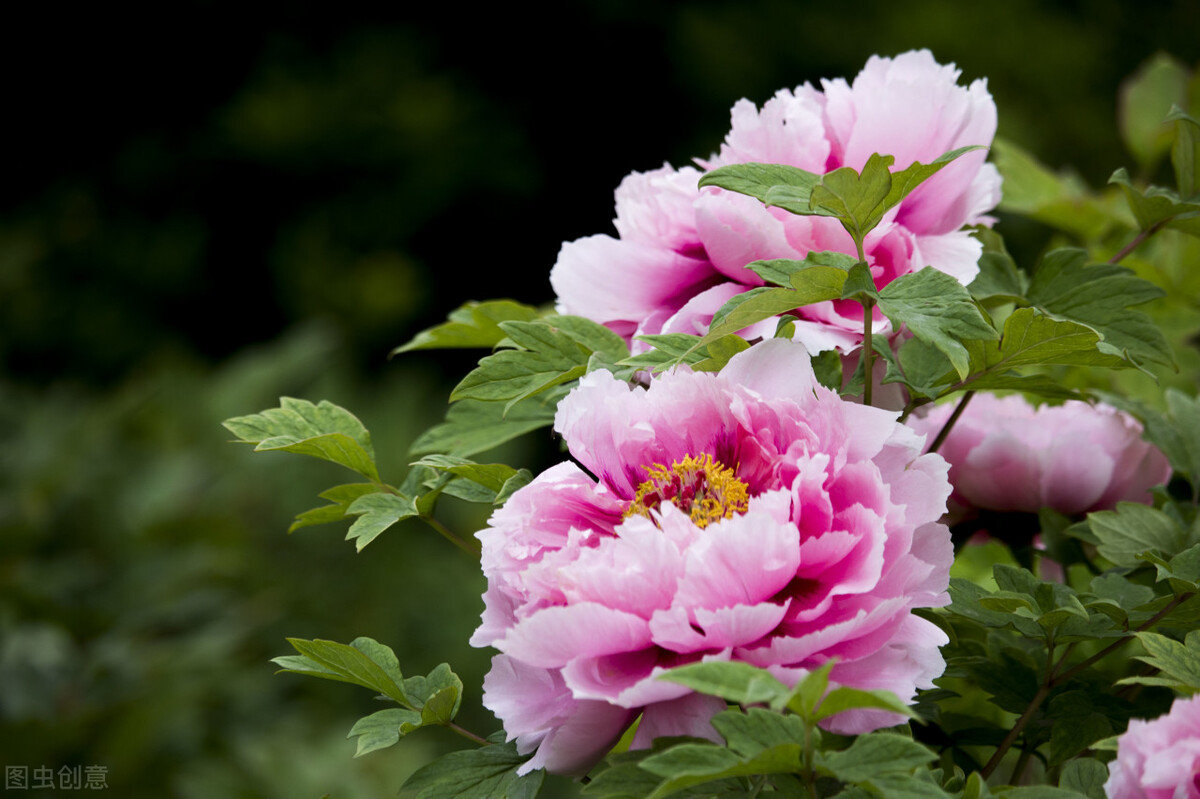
{"points": [[682, 252], [751, 516], [1006, 455], [1159, 759]]}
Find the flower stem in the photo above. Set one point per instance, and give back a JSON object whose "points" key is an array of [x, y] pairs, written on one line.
{"points": [[868, 356], [470, 736], [470, 547], [945, 431], [1137, 241]]}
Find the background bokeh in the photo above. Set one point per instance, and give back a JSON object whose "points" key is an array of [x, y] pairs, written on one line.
{"points": [[208, 205]]}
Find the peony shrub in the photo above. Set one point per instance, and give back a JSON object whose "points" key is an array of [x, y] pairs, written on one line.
{"points": [[751, 516], [681, 252], [1160, 758]]}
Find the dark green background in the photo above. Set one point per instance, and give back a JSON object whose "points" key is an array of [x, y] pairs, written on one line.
{"points": [[206, 206]]}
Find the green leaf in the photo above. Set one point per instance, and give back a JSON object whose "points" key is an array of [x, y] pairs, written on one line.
{"points": [[1185, 152], [809, 692], [489, 772], [1076, 725], [1098, 296], [341, 497], [694, 764], [1031, 338], [1134, 529], [856, 199], [814, 284], [845, 698], [475, 324], [859, 285], [669, 349], [1037, 792], [720, 351], [474, 426], [376, 513], [493, 479], [733, 681], [1145, 98], [787, 186], [1179, 661], [780, 270], [827, 366], [998, 279], [364, 662], [383, 729], [442, 687], [1154, 205], [549, 352], [757, 729], [938, 310], [324, 431], [874, 754], [1085, 775]]}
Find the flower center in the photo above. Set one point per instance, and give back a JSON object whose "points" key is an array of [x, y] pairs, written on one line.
{"points": [[701, 487]]}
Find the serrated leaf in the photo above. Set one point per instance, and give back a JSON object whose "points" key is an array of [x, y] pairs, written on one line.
{"points": [[1098, 296], [1133, 529], [669, 349], [1180, 661], [938, 310], [324, 431], [382, 729], [441, 707], [874, 754], [489, 772], [475, 324], [1031, 338], [757, 729], [731, 680], [492, 476], [363, 662], [377, 512]]}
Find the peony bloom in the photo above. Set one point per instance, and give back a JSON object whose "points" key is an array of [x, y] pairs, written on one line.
{"points": [[1159, 759], [751, 516], [1006, 455], [682, 252]]}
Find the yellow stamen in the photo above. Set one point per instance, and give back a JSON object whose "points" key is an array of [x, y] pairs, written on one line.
{"points": [[701, 487]]}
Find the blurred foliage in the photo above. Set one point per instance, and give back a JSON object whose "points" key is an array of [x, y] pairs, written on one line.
{"points": [[171, 199]]}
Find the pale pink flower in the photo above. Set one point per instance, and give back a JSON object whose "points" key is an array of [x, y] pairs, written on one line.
{"points": [[682, 252], [1159, 759], [1007, 455], [751, 516]]}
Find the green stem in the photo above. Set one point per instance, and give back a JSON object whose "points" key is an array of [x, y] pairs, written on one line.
{"points": [[470, 547], [945, 431], [1019, 769], [470, 736], [1054, 679], [1137, 240], [868, 357]]}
